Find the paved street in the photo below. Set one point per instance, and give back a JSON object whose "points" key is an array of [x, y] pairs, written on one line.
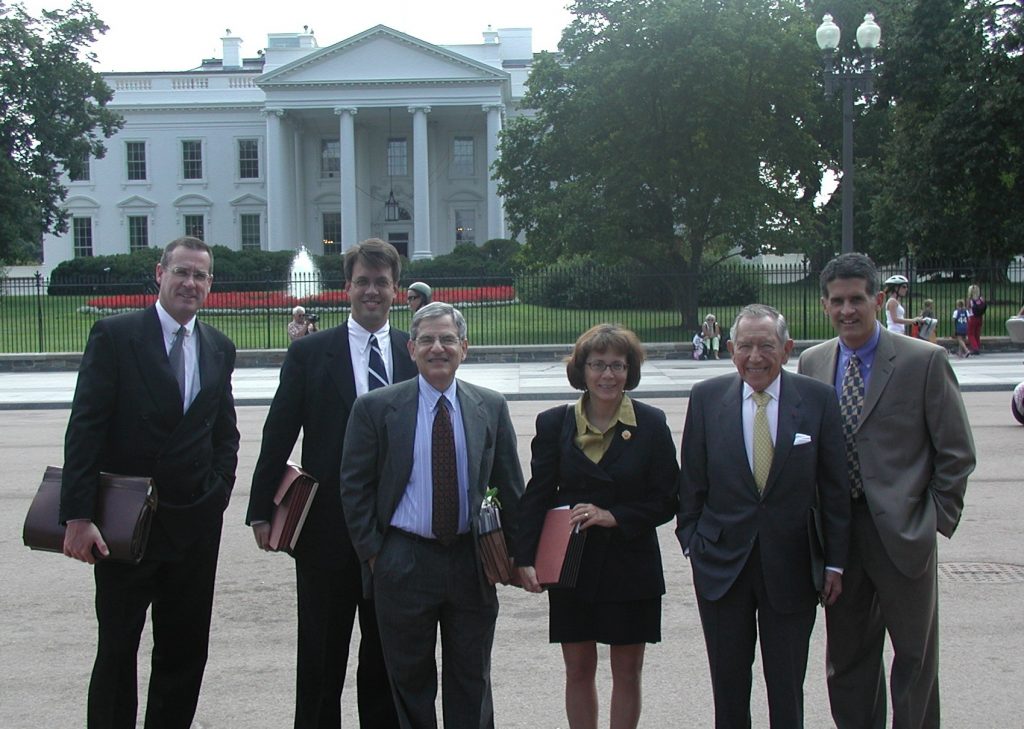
{"points": [[525, 381], [47, 629]]}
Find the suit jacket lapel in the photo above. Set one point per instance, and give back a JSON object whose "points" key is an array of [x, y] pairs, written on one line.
{"points": [[339, 365], [578, 458], [790, 404], [478, 430], [732, 441], [211, 366], [151, 357], [881, 372], [400, 428]]}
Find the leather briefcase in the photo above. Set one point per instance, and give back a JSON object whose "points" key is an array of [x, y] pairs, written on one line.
{"points": [[124, 512]]}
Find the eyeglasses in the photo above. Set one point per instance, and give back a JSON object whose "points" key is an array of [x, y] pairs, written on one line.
{"points": [[447, 340], [600, 366], [199, 276]]}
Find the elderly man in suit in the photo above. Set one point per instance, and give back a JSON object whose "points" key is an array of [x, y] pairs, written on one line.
{"points": [[418, 459], [154, 399], [909, 451], [761, 449], [320, 379]]}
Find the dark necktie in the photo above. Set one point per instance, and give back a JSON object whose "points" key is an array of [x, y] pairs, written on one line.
{"points": [[764, 449], [177, 359], [445, 519], [377, 376], [851, 402]]}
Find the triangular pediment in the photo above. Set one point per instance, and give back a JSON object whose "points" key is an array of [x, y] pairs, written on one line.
{"points": [[381, 56], [248, 199], [136, 201]]}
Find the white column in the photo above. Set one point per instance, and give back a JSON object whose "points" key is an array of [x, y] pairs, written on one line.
{"points": [[277, 185], [420, 183], [298, 229], [347, 136], [495, 203]]}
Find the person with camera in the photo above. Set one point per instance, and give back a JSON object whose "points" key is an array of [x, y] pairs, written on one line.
{"points": [[301, 324]]}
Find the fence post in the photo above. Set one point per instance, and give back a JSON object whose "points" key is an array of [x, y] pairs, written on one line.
{"points": [[804, 289], [266, 287], [39, 311]]}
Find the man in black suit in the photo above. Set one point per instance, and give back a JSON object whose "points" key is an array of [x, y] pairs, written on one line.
{"points": [[761, 449], [320, 379], [418, 458], [154, 399]]}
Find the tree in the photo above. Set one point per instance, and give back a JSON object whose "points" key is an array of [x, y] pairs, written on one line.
{"points": [[667, 132], [53, 115], [952, 185]]}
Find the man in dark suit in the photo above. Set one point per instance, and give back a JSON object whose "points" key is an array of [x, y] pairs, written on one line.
{"points": [[320, 379], [154, 399], [418, 458], [909, 451], [761, 449]]}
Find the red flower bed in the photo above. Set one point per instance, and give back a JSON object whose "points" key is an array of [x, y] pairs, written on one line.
{"points": [[261, 300]]}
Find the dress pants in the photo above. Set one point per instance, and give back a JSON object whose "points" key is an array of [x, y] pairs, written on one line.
{"points": [[732, 626], [419, 585], [181, 595], [328, 598], [878, 597]]}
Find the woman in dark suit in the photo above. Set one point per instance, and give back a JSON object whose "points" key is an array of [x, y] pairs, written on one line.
{"points": [[611, 460]]}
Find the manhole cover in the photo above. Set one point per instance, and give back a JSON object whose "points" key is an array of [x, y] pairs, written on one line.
{"points": [[989, 572]]}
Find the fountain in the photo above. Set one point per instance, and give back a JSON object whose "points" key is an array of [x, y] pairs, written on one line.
{"points": [[303, 277]]}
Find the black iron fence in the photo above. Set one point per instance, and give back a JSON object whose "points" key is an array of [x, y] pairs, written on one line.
{"points": [[550, 307]]}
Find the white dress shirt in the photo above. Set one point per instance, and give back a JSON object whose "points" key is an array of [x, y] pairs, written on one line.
{"points": [[190, 348], [359, 347]]}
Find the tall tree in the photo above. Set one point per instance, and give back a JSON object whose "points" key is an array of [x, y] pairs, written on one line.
{"points": [[53, 115], [952, 186], [665, 133]]}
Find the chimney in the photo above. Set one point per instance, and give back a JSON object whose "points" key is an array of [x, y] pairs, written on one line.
{"points": [[490, 36], [232, 50]]}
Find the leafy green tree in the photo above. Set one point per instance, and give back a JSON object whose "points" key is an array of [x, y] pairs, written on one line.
{"points": [[952, 182], [53, 115], [667, 132]]}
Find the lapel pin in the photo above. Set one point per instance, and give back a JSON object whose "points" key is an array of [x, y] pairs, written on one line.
{"points": [[626, 435]]}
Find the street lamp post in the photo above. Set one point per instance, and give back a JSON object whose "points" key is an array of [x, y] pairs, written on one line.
{"points": [[852, 81]]}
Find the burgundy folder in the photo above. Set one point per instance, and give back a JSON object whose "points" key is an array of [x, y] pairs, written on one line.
{"points": [[559, 550], [291, 507]]}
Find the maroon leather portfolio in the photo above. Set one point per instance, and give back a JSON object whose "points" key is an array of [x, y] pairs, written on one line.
{"points": [[124, 512], [291, 507], [559, 550]]}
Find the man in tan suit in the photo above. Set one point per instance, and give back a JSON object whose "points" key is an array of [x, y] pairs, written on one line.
{"points": [[909, 453]]}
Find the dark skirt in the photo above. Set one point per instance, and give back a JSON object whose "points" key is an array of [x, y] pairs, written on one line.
{"points": [[573, 620]]}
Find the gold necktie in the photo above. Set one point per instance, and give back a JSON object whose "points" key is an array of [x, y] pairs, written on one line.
{"points": [[763, 446]]}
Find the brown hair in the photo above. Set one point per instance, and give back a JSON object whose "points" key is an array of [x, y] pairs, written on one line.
{"points": [[189, 242], [374, 253], [605, 338]]}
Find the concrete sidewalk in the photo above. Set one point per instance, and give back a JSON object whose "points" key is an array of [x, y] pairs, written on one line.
{"points": [[47, 627], [518, 381]]}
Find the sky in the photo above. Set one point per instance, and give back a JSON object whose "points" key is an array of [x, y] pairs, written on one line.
{"points": [[177, 35]]}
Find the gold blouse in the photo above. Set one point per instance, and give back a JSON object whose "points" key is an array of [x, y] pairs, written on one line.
{"points": [[593, 442]]}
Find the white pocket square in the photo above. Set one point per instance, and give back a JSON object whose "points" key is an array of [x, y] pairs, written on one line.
{"points": [[801, 438]]}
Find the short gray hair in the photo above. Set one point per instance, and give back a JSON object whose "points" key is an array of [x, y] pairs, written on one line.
{"points": [[762, 311], [298, 310], [436, 310]]}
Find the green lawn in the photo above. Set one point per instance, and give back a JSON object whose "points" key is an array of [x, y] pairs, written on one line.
{"points": [[53, 324]]}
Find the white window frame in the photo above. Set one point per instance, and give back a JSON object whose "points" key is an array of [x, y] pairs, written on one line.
{"points": [[183, 162], [454, 170], [128, 143], [129, 217], [91, 232], [242, 216], [325, 173], [238, 159]]}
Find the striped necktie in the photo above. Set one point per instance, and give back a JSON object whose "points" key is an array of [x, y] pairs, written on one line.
{"points": [[377, 376]]}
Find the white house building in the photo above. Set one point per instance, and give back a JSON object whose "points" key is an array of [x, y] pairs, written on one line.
{"points": [[380, 135]]}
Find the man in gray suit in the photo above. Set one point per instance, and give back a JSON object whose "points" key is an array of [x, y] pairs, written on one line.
{"points": [[761, 448], [418, 458], [909, 453]]}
